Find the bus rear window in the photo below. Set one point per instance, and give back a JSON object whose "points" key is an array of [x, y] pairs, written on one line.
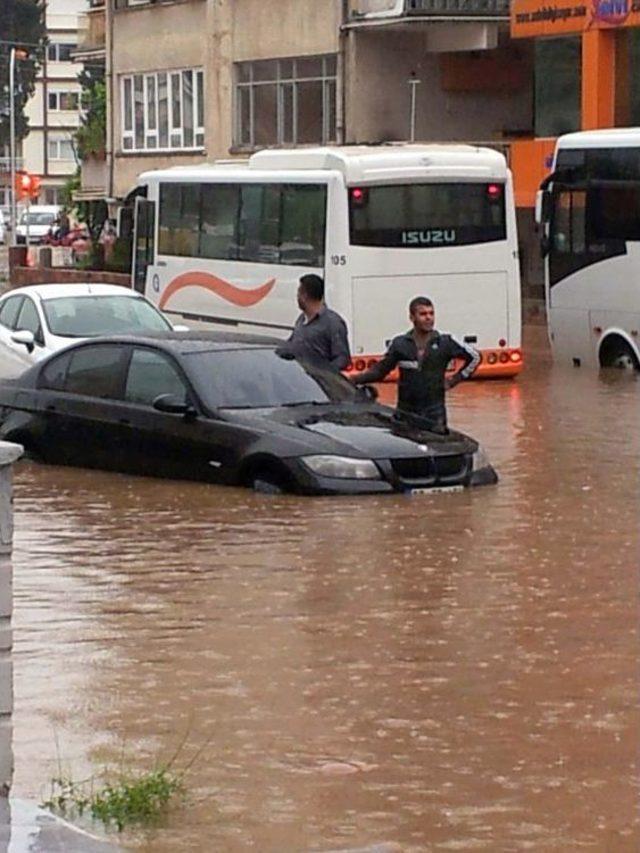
{"points": [[415, 216]]}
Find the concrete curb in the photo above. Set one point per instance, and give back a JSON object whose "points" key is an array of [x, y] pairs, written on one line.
{"points": [[26, 828]]}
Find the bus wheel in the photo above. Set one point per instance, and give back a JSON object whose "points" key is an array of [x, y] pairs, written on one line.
{"points": [[617, 353]]}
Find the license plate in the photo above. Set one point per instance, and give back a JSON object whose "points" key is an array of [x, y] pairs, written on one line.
{"points": [[435, 490]]}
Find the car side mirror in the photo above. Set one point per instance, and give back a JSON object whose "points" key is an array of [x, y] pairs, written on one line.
{"points": [[24, 337], [171, 404], [368, 393]]}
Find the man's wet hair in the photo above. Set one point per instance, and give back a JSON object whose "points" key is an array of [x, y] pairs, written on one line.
{"points": [[418, 301], [312, 286]]}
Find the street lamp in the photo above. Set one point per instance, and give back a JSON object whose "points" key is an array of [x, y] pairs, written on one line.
{"points": [[16, 53]]}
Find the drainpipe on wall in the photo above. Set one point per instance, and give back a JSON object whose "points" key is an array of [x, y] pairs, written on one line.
{"points": [[341, 89], [109, 146]]}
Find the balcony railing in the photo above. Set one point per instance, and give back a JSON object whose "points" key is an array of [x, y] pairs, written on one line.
{"points": [[398, 9], [455, 8]]}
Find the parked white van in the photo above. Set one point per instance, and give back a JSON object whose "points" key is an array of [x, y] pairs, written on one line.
{"points": [[40, 218]]}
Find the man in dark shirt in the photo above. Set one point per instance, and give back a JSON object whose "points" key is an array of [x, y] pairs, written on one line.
{"points": [[422, 356], [319, 335]]}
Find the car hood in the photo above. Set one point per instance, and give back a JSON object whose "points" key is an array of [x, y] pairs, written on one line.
{"points": [[369, 430]]}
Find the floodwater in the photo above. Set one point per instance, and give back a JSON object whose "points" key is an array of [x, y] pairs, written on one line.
{"points": [[447, 672]]}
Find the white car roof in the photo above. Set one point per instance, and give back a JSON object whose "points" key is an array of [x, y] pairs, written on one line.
{"points": [[42, 208], [58, 291]]}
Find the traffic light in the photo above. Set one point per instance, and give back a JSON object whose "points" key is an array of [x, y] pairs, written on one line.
{"points": [[27, 185]]}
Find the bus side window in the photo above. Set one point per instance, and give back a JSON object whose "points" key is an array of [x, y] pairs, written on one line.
{"points": [[259, 223], [569, 223], [614, 212], [304, 212], [179, 219], [219, 216]]}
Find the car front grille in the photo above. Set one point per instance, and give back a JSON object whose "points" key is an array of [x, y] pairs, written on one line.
{"points": [[431, 470]]}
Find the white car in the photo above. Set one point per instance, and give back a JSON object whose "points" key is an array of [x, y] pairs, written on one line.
{"points": [[40, 218], [38, 320]]}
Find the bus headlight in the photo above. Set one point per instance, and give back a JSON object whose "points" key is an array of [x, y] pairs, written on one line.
{"points": [[342, 467]]}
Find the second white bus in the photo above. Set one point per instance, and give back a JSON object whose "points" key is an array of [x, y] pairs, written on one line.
{"points": [[225, 244], [589, 209]]}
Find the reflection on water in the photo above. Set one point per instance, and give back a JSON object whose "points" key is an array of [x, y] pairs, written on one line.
{"points": [[454, 672]]}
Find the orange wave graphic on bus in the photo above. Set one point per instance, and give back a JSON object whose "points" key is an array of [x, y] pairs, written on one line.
{"points": [[227, 291]]}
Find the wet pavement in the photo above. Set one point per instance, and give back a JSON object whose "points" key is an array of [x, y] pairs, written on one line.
{"points": [[447, 672]]}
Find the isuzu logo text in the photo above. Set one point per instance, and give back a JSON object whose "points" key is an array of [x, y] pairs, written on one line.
{"points": [[429, 238]]}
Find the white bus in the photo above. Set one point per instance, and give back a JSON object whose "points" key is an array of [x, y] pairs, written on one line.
{"points": [[589, 208], [225, 244]]}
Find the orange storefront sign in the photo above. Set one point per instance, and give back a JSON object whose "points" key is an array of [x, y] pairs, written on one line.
{"points": [[561, 17]]}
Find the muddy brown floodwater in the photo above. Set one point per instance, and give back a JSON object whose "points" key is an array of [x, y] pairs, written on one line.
{"points": [[446, 672]]}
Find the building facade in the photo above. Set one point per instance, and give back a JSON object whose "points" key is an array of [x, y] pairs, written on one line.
{"points": [[586, 67], [54, 110], [196, 80]]}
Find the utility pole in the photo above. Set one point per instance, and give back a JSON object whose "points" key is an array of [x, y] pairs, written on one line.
{"points": [[12, 143], [15, 53]]}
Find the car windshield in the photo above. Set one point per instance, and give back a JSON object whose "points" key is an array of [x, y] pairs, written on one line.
{"points": [[87, 316], [37, 218], [257, 378]]}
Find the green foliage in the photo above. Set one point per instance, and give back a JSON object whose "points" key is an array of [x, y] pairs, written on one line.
{"points": [[126, 800], [92, 134], [22, 23], [123, 798], [120, 260], [71, 185]]}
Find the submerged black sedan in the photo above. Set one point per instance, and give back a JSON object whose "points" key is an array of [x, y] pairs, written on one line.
{"points": [[221, 409]]}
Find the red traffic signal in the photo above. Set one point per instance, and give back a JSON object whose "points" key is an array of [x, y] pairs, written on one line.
{"points": [[27, 185]]}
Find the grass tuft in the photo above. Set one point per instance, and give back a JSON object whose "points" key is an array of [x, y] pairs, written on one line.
{"points": [[140, 799]]}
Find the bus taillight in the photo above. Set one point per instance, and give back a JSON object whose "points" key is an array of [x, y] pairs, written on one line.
{"points": [[358, 197]]}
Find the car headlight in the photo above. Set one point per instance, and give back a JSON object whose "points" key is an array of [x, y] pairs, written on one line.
{"points": [[342, 467], [480, 459]]}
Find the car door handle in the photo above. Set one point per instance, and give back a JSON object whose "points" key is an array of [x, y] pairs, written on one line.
{"points": [[124, 421], [51, 407]]}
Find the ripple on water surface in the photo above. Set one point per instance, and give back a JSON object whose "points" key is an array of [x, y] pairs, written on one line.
{"points": [[453, 672]]}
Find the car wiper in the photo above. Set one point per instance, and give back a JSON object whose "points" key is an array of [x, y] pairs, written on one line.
{"points": [[303, 403]]}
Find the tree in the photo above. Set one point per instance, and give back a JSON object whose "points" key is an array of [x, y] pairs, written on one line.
{"points": [[92, 134], [23, 25]]}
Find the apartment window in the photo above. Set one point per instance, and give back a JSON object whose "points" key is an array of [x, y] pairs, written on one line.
{"points": [[285, 101], [63, 101], [60, 148], [163, 111], [557, 78], [60, 52], [52, 195]]}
